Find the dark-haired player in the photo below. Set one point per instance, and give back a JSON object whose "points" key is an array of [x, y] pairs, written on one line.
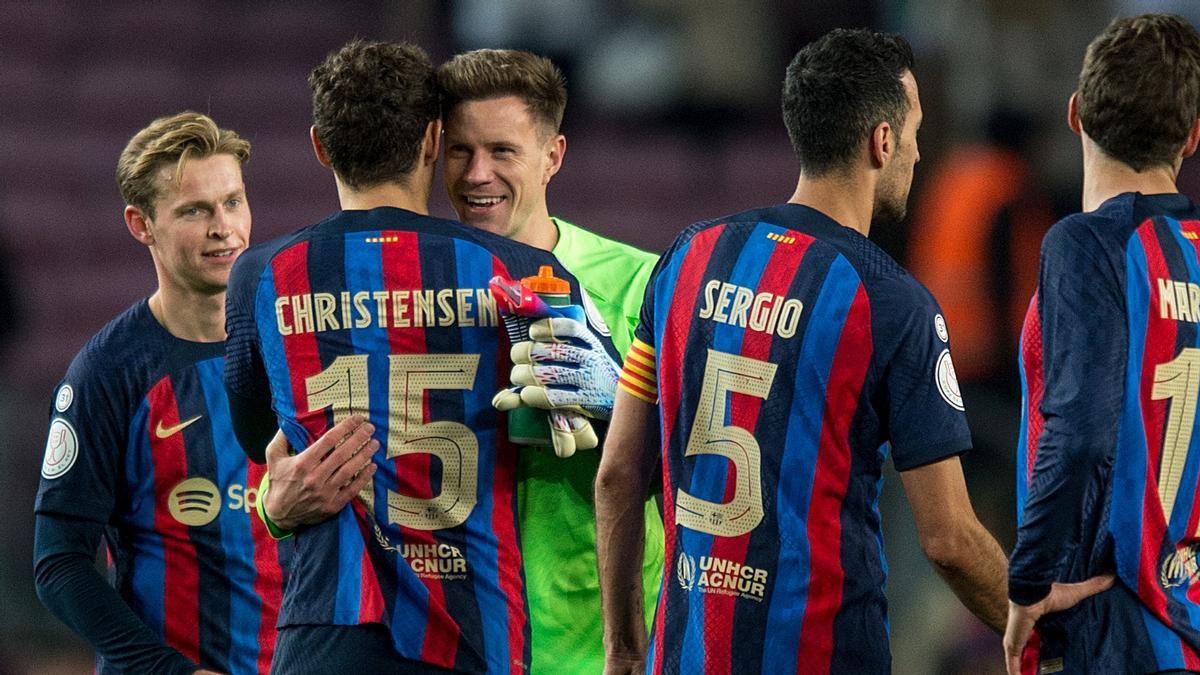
{"points": [[382, 309], [780, 354], [1107, 476]]}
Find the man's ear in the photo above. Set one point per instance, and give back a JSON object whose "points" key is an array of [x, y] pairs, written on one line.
{"points": [[318, 149], [1193, 139], [139, 225], [556, 149], [432, 142], [1073, 114], [882, 144]]}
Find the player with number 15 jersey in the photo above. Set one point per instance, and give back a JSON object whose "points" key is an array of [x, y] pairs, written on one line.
{"points": [[787, 353], [388, 312]]}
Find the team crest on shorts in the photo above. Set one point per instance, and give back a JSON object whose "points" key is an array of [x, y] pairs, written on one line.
{"points": [[62, 449]]}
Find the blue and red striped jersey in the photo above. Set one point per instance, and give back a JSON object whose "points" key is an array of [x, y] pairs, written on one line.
{"points": [[141, 440], [786, 353], [388, 312], [1107, 479]]}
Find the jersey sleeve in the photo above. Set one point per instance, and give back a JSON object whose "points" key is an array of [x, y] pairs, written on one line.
{"points": [[1084, 340], [83, 461], [69, 585], [245, 375], [639, 375], [244, 370], [924, 407]]}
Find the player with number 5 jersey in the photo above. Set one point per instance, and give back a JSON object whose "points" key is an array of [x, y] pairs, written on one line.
{"points": [[781, 356]]}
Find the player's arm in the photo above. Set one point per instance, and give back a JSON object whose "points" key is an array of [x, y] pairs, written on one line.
{"points": [[69, 585], [245, 376], [310, 487], [927, 427], [1084, 342], [962, 551], [626, 466], [254, 424]]}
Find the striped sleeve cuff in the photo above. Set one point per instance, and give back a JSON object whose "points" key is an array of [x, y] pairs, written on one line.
{"points": [[639, 376]]}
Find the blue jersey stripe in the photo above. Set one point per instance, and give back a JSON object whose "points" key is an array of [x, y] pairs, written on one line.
{"points": [[1168, 652], [664, 290], [148, 569], [364, 270], [883, 565], [709, 473], [1184, 499], [1177, 528], [474, 266], [1129, 471], [244, 606], [821, 338], [275, 360]]}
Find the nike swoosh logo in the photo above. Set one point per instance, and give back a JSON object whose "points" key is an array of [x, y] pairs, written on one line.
{"points": [[162, 432]]}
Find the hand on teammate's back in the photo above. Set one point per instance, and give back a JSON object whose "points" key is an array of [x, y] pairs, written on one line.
{"points": [[309, 487]]}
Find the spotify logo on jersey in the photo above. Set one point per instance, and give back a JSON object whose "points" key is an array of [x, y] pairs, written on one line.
{"points": [[195, 502]]}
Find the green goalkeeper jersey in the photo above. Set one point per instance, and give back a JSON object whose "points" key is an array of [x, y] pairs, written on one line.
{"points": [[556, 507]]}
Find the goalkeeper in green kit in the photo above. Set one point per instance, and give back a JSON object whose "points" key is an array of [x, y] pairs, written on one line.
{"points": [[502, 145]]}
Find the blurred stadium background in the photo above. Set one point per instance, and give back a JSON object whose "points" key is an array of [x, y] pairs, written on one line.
{"points": [[673, 117]]}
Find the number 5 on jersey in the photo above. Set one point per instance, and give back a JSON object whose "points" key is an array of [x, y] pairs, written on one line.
{"points": [[344, 386], [724, 374]]}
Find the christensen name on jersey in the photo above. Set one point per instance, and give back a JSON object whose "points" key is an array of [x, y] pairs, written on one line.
{"points": [[414, 308]]}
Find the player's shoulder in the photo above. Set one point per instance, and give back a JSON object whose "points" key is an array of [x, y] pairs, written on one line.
{"points": [[1117, 218], [608, 268], [122, 357], [254, 259], [130, 337], [575, 238]]}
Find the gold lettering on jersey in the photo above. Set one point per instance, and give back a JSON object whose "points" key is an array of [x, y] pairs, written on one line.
{"points": [[408, 308], [323, 306], [435, 561], [1178, 300], [721, 576], [763, 312]]}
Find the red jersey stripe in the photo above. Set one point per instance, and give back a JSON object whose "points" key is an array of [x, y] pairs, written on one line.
{"points": [[678, 320], [181, 619], [777, 277], [830, 482]]}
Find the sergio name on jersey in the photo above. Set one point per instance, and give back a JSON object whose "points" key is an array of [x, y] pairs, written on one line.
{"points": [[785, 352]]}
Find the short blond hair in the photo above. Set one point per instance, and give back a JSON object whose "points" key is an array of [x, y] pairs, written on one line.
{"points": [[173, 139]]}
